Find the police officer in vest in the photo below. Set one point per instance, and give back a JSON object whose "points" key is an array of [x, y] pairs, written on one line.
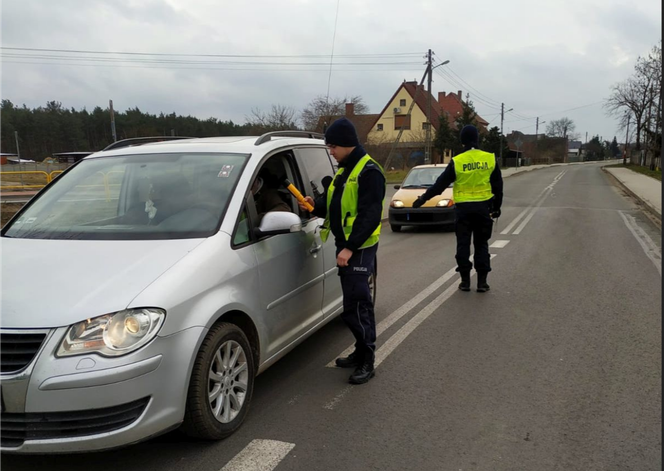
{"points": [[352, 207], [478, 196]]}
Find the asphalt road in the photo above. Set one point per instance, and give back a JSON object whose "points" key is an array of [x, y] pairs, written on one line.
{"points": [[558, 367]]}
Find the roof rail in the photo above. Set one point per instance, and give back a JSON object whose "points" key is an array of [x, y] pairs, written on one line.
{"points": [[137, 141], [269, 135]]}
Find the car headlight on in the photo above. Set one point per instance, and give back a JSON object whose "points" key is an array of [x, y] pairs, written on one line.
{"points": [[113, 334], [397, 204], [443, 203]]}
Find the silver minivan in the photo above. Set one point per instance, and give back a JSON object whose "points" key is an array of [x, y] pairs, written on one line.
{"points": [[146, 287]]}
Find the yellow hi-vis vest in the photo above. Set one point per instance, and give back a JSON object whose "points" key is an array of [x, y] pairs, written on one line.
{"points": [[473, 171], [349, 200]]}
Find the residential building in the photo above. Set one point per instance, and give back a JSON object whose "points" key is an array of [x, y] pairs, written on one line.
{"points": [[362, 122]]}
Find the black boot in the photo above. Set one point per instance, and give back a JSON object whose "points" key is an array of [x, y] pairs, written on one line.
{"points": [[351, 361], [482, 286], [465, 281], [363, 373]]}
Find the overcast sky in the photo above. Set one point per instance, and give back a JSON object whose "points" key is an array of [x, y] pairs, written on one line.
{"points": [[538, 57]]}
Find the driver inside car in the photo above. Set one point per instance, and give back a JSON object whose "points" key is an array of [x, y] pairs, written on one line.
{"points": [[266, 194]]}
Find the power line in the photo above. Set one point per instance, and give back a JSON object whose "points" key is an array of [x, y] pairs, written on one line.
{"points": [[559, 112], [304, 68], [78, 51], [190, 62], [475, 91], [334, 37], [454, 83]]}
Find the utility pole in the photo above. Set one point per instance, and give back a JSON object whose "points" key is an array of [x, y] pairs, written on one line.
{"points": [[18, 153], [110, 105], [502, 117], [626, 140], [427, 146], [401, 129]]}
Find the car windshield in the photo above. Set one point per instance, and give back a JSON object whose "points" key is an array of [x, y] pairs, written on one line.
{"points": [[136, 197], [422, 177]]}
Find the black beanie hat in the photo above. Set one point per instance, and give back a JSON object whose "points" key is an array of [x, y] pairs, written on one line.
{"points": [[470, 137], [342, 133]]}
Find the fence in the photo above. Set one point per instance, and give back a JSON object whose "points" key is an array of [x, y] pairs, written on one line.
{"points": [[29, 176]]}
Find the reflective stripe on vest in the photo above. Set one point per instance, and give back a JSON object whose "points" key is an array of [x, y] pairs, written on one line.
{"points": [[473, 174], [349, 200]]}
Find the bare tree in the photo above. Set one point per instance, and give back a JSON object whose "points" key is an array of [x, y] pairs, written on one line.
{"points": [[563, 127], [321, 107], [637, 97], [279, 118]]}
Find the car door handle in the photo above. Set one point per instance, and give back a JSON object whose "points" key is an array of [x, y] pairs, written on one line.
{"points": [[315, 249]]}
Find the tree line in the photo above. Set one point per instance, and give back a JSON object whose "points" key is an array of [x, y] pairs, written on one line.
{"points": [[637, 103], [46, 130]]}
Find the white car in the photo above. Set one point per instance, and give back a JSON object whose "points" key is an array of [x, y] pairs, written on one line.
{"points": [[140, 293]]}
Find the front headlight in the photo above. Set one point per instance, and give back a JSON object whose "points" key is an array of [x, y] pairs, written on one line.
{"points": [[113, 334], [397, 204], [443, 203]]}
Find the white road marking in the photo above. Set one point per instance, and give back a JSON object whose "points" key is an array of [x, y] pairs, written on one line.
{"points": [[523, 213], [499, 244], [393, 342], [647, 244], [337, 399], [516, 220], [259, 455], [402, 311], [534, 209]]}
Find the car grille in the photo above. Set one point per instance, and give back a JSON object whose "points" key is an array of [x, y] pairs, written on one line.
{"points": [[17, 428], [18, 349]]}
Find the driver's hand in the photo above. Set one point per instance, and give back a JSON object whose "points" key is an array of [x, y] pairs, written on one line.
{"points": [[309, 200]]}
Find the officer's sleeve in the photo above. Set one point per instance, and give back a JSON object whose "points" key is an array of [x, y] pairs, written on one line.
{"points": [[371, 194], [445, 180], [496, 181], [320, 206]]}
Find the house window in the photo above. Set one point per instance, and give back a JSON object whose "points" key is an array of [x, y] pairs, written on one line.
{"points": [[402, 120], [402, 102], [425, 126], [379, 127]]}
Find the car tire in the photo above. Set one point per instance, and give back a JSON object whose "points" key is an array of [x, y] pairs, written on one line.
{"points": [[395, 228], [217, 418]]}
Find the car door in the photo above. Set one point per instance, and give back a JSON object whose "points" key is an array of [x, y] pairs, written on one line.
{"points": [[318, 173], [291, 274]]}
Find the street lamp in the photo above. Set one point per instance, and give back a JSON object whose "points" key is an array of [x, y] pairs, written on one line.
{"points": [[427, 148]]}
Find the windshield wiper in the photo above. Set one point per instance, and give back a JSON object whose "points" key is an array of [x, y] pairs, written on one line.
{"points": [[412, 186]]}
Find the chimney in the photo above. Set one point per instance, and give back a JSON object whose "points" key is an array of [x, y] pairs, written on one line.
{"points": [[350, 109], [441, 97], [460, 96]]}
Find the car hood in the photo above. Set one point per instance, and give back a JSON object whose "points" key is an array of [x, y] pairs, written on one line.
{"points": [[409, 195], [54, 283]]}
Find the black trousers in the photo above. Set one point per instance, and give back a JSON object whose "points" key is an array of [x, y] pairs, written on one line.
{"points": [[358, 311], [473, 220]]}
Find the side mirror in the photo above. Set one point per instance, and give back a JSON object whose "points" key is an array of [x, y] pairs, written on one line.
{"points": [[278, 222], [396, 187]]}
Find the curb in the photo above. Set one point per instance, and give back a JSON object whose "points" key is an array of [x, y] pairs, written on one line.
{"points": [[647, 206]]}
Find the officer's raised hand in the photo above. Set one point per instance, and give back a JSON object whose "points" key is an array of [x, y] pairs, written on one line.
{"points": [[309, 200], [418, 202]]}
